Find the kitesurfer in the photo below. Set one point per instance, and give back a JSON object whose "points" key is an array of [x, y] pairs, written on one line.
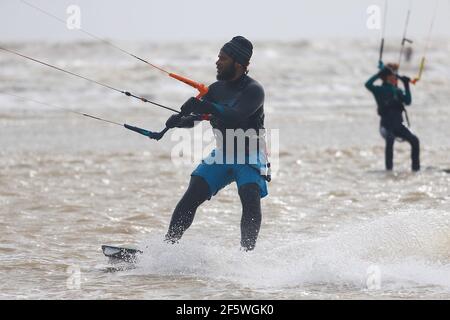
{"points": [[235, 102], [391, 102]]}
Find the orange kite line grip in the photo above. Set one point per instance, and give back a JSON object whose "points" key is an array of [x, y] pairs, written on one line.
{"points": [[202, 89]]}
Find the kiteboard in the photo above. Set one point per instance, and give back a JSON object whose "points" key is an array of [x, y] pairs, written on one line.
{"points": [[121, 254]]}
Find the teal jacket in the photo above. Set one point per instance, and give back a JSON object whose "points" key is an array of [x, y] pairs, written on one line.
{"points": [[391, 101]]}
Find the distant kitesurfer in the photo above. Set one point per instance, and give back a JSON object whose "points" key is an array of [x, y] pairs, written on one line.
{"points": [[235, 102], [391, 102], [408, 54]]}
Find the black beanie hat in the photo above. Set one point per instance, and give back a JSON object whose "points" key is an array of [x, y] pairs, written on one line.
{"points": [[240, 49], [385, 72]]}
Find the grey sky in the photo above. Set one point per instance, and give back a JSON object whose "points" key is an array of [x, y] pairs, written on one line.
{"points": [[174, 20]]}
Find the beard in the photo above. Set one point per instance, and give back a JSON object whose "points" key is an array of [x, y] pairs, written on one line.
{"points": [[227, 73]]}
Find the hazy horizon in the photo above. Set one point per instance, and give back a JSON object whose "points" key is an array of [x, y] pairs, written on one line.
{"points": [[202, 20]]}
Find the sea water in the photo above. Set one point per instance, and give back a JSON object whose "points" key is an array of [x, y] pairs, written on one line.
{"points": [[335, 224]]}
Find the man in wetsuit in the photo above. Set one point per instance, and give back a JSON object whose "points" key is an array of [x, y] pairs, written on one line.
{"points": [[234, 102], [391, 102]]}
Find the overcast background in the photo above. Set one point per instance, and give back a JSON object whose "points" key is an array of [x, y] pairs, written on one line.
{"points": [[175, 20]]}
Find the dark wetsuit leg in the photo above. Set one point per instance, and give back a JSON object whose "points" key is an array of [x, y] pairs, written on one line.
{"points": [[251, 214], [389, 152], [407, 135], [183, 215]]}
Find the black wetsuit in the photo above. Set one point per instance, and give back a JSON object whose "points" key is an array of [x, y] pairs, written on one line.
{"points": [[391, 103], [233, 105], [238, 104]]}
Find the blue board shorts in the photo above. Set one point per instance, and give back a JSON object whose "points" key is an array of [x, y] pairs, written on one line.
{"points": [[219, 175]]}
